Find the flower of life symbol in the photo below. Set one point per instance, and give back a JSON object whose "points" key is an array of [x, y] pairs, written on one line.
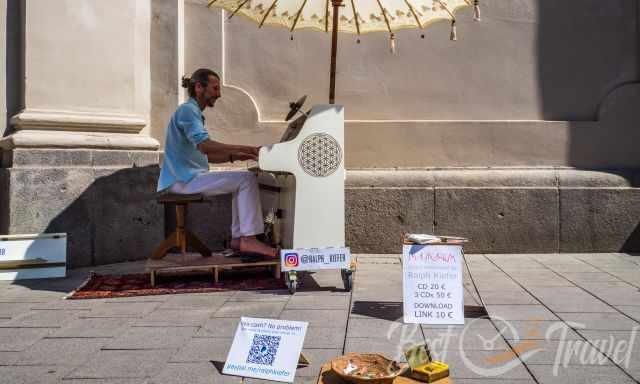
{"points": [[319, 155]]}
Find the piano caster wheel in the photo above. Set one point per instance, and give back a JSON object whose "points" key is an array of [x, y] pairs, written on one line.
{"points": [[291, 279], [347, 279]]}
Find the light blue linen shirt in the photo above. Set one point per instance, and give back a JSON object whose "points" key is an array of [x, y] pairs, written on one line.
{"points": [[182, 159]]}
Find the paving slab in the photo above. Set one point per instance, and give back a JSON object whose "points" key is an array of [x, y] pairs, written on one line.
{"points": [[632, 311], [152, 338], [66, 351], [262, 296], [469, 339], [8, 358], [381, 328], [588, 277], [536, 330], [203, 349], [175, 317], [318, 302], [529, 282], [18, 339], [573, 267], [122, 309], [122, 364], [93, 327], [624, 294], [192, 373], [104, 381], [317, 357], [324, 338], [63, 304], [569, 299], [250, 309], [219, 327], [202, 301], [546, 374], [497, 364], [321, 318], [42, 319], [518, 296], [623, 347], [10, 310], [520, 312], [32, 374], [600, 321], [562, 353]]}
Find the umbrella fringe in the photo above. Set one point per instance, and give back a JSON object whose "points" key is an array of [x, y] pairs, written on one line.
{"points": [[476, 11], [392, 40], [454, 31]]}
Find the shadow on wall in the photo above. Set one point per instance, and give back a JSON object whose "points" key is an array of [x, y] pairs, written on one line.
{"points": [[588, 76], [114, 219], [109, 215]]}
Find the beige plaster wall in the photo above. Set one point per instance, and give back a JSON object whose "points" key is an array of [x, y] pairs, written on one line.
{"points": [[164, 65], [522, 88], [97, 59]]}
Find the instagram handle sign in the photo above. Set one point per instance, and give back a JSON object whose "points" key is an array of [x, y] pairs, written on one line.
{"points": [[291, 260]]}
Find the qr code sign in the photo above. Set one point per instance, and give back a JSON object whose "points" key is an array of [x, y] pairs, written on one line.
{"points": [[263, 349]]}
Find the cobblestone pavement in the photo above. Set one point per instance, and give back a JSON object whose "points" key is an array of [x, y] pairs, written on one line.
{"points": [[554, 318]]}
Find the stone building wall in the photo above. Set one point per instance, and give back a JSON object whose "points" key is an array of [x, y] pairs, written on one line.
{"points": [[521, 135]]}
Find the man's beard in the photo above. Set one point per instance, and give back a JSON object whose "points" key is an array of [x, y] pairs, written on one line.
{"points": [[210, 101]]}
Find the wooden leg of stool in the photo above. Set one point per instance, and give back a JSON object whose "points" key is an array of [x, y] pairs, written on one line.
{"points": [[197, 244], [165, 246], [181, 214]]}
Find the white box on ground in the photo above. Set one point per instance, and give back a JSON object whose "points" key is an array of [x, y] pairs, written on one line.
{"points": [[311, 259], [266, 349], [33, 256], [432, 284]]}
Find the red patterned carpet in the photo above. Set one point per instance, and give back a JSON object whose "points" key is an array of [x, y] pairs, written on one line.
{"points": [[107, 286]]}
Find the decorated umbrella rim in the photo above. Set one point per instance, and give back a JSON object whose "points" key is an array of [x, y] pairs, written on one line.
{"points": [[271, 23]]}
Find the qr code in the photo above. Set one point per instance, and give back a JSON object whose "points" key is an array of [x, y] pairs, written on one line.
{"points": [[263, 349]]}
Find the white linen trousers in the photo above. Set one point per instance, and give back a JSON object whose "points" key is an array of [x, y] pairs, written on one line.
{"points": [[246, 209]]}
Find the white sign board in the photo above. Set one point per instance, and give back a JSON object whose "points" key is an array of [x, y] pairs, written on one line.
{"points": [[266, 349], [33, 256], [432, 284], [310, 259]]}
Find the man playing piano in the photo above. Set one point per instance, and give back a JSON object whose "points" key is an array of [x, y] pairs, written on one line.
{"points": [[188, 152]]}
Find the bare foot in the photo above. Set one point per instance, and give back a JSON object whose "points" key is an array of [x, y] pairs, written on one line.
{"points": [[235, 243], [250, 244]]}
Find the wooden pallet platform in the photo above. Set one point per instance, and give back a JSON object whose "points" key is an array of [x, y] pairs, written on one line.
{"points": [[176, 262]]}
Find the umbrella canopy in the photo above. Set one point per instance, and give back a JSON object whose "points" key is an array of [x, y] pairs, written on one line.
{"points": [[357, 16]]}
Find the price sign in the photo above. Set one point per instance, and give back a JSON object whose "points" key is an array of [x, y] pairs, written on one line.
{"points": [[432, 284]]}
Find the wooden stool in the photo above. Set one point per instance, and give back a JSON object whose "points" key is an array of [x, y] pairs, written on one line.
{"points": [[181, 237]]}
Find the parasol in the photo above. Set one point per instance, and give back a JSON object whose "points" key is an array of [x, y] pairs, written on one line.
{"points": [[358, 17]]}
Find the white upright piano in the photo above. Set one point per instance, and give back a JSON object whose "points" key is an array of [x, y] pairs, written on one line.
{"points": [[308, 164]]}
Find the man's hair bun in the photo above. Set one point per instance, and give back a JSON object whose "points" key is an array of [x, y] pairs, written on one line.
{"points": [[185, 82]]}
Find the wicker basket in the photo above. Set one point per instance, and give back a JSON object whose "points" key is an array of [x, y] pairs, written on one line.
{"points": [[371, 368]]}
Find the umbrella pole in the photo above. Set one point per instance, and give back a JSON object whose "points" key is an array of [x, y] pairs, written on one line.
{"points": [[334, 51]]}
